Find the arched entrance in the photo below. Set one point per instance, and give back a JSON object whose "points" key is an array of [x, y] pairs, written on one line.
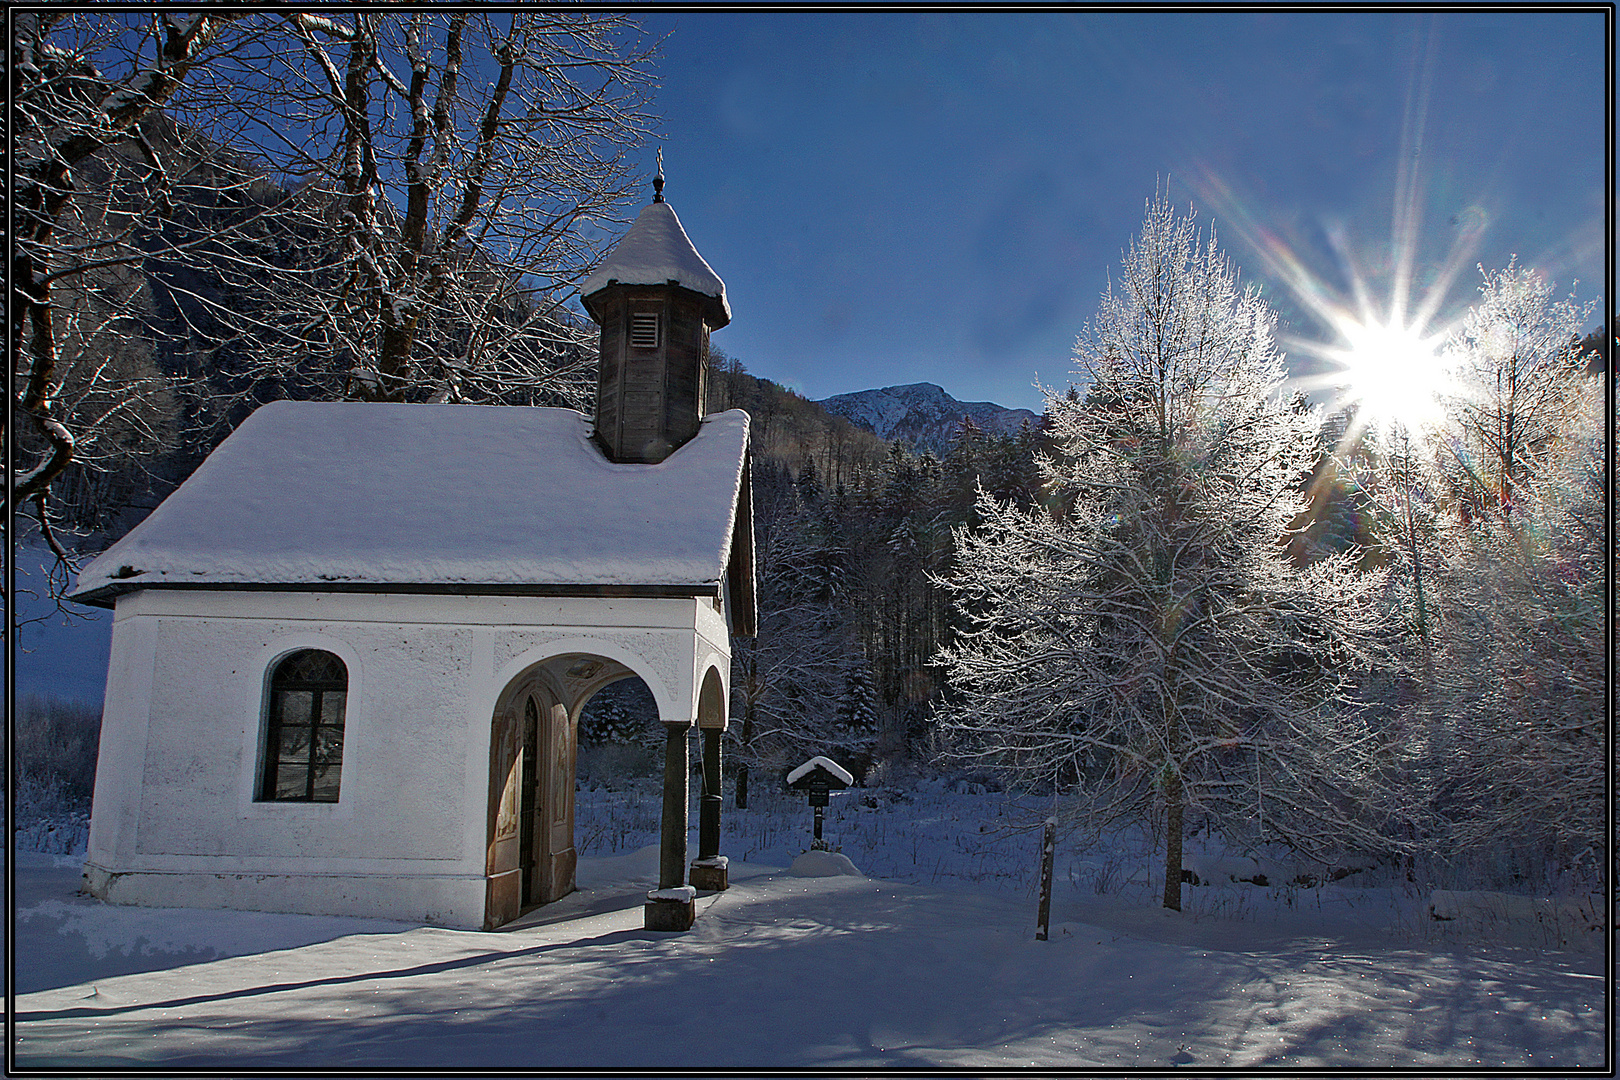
{"points": [[530, 857]]}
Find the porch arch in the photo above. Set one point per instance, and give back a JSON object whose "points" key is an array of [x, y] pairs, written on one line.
{"points": [[711, 702], [629, 662], [709, 871], [529, 818]]}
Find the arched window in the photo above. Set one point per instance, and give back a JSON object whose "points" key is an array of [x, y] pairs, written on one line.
{"points": [[303, 745]]}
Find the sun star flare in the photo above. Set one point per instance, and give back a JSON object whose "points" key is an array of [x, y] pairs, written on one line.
{"points": [[1394, 374]]}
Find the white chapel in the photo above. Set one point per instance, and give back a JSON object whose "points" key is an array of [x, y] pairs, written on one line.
{"points": [[350, 652]]}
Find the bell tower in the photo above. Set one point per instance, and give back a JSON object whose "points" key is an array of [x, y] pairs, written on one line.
{"points": [[656, 301]]}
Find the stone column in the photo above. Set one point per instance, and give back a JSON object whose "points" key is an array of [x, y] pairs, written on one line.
{"points": [[670, 906], [709, 871]]}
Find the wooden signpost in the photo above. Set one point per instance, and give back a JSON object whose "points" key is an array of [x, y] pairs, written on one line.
{"points": [[819, 777]]}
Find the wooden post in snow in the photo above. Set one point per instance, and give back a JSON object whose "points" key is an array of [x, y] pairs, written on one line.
{"points": [[1048, 850]]}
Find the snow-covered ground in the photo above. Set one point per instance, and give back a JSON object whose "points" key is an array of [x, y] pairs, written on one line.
{"points": [[930, 960]]}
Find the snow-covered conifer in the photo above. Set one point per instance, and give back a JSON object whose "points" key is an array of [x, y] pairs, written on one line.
{"points": [[1149, 650], [857, 708]]}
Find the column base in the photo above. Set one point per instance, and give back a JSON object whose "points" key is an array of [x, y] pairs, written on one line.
{"points": [[670, 909], [710, 875]]}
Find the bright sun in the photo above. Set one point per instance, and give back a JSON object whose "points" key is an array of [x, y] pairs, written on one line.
{"points": [[1383, 354], [1392, 373]]}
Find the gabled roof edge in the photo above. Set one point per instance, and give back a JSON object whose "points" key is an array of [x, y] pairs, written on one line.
{"points": [[107, 596], [740, 587]]}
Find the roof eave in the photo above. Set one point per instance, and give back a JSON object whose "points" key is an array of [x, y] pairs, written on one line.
{"points": [[716, 312], [106, 596]]}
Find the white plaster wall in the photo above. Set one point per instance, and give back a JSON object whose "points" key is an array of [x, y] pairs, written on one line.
{"points": [[126, 708], [711, 648], [175, 819]]}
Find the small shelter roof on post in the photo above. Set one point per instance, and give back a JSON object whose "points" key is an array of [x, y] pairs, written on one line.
{"points": [[822, 769]]}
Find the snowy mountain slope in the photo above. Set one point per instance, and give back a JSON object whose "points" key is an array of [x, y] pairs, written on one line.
{"points": [[922, 415]]}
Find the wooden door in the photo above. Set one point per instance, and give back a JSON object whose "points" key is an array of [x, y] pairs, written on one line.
{"points": [[503, 896], [531, 858], [528, 799], [555, 809]]}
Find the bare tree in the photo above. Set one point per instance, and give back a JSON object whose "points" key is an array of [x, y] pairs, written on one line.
{"points": [[448, 177], [1151, 651], [212, 208], [83, 393]]}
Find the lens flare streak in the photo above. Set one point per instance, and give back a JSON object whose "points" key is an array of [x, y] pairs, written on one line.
{"points": [[1386, 363]]}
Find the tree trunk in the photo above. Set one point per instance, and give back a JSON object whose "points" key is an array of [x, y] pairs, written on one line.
{"points": [[1172, 847], [740, 798]]}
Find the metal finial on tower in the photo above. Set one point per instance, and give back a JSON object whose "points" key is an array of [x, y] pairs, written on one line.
{"points": [[658, 181]]}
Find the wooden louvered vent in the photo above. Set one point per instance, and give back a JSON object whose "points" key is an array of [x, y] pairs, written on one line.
{"points": [[644, 330]]}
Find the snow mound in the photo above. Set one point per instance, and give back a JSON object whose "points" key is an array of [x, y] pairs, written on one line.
{"points": [[823, 864], [684, 894]]}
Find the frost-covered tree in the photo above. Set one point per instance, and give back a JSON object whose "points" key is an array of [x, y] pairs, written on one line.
{"points": [[1519, 694], [1521, 387], [1515, 705], [1489, 523], [1150, 651], [217, 206], [787, 679], [1402, 491]]}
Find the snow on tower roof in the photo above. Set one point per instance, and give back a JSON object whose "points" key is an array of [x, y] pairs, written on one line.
{"points": [[656, 252], [346, 495]]}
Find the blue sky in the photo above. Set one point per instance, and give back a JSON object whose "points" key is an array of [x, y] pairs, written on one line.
{"points": [[899, 197], [904, 197]]}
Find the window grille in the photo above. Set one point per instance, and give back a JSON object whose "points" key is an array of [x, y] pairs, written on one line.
{"points": [[644, 330], [303, 745]]}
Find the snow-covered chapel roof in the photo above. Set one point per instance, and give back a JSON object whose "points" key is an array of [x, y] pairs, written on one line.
{"points": [[345, 495], [656, 252]]}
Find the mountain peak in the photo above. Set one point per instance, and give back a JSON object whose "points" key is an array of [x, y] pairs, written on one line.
{"points": [[922, 415]]}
